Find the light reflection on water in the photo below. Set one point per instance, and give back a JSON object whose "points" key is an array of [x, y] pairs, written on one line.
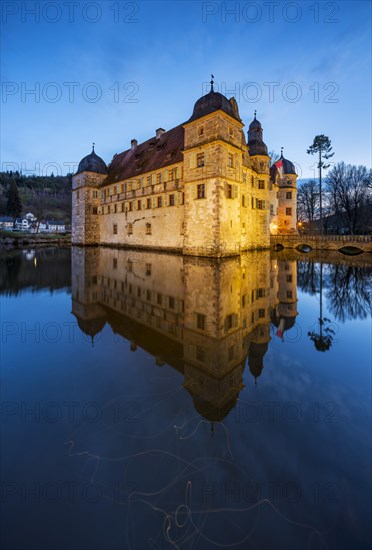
{"points": [[175, 402]]}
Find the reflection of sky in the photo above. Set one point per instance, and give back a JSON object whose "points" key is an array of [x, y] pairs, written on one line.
{"points": [[168, 54], [168, 444]]}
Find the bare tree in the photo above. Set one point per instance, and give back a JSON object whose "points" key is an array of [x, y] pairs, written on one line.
{"points": [[274, 156], [307, 200], [349, 191]]}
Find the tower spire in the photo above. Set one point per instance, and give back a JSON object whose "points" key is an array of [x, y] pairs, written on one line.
{"points": [[281, 151], [93, 147], [255, 112], [212, 82]]}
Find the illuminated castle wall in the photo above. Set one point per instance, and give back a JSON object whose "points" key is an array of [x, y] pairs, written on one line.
{"points": [[199, 189]]}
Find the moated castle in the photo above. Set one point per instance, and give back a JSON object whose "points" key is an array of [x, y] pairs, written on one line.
{"points": [[198, 189]]}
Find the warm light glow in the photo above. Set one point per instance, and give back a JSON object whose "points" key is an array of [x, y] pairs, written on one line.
{"points": [[35, 262]]}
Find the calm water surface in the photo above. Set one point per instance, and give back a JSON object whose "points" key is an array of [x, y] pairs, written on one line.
{"points": [[153, 401]]}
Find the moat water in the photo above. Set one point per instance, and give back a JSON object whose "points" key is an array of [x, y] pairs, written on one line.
{"points": [[152, 401]]}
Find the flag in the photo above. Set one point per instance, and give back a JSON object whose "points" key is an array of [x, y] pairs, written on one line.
{"points": [[279, 167]]}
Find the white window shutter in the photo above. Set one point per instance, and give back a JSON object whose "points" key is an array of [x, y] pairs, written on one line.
{"points": [[153, 200]]}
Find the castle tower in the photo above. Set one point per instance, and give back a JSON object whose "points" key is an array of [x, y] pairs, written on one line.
{"points": [[261, 182], [212, 177], [283, 175], [91, 173], [285, 313]]}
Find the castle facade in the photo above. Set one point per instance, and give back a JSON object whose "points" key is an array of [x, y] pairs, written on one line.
{"points": [[198, 189]]}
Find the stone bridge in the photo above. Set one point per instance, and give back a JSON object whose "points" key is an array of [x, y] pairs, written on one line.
{"points": [[347, 244]]}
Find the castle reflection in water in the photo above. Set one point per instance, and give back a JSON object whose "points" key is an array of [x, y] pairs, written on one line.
{"points": [[205, 318]]}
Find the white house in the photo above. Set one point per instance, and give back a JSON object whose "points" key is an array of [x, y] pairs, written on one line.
{"points": [[6, 223]]}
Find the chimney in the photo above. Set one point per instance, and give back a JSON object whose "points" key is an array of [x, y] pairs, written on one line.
{"points": [[159, 132], [133, 143]]}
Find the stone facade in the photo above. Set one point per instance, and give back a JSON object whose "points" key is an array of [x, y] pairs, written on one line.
{"points": [[215, 200]]}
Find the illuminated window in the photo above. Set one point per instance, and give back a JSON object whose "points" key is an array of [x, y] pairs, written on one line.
{"points": [[201, 191], [200, 160], [200, 321]]}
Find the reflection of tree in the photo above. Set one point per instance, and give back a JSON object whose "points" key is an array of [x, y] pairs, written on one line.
{"points": [[324, 337], [308, 277], [348, 288], [349, 292]]}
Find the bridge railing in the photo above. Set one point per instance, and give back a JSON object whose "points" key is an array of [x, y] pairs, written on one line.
{"points": [[324, 238]]}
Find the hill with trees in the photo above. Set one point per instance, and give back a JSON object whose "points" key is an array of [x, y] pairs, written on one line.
{"points": [[44, 196]]}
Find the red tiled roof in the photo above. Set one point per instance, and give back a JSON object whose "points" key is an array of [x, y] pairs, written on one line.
{"points": [[153, 154]]}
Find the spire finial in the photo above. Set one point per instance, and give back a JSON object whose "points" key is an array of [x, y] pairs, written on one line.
{"points": [[255, 112], [281, 151], [93, 147], [212, 82]]}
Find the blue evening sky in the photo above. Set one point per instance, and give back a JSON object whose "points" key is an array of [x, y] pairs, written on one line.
{"points": [[107, 72]]}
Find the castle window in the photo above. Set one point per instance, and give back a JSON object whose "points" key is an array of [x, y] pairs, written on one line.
{"points": [[260, 205], [130, 228], [229, 191], [288, 195], [94, 210], [130, 266], [115, 190], [289, 278], [158, 178], [108, 209], [171, 175], [288, 211], [171, 200], [148, 229], [271, 209], [252, 202], [289, 294], [261, 313], [261, 184], [148, 269], [200, 160], [200, 354], [95, 194], [244, 177], [200, 321], [201, 191], [231, 131], [122, 206], [165, 186], [159, 202], [130, 207], [230, 160], [182, 229], [139, 205], [244, 202], [115, 208], [243, 300], [139, 183], [115, 229], [171, 302], [159, 299], [148, 203], [252, 181], [260, 293], [201, 131], [148, 180]]}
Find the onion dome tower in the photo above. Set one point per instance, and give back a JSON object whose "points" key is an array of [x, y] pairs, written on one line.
{"points": [[91, 173]]}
